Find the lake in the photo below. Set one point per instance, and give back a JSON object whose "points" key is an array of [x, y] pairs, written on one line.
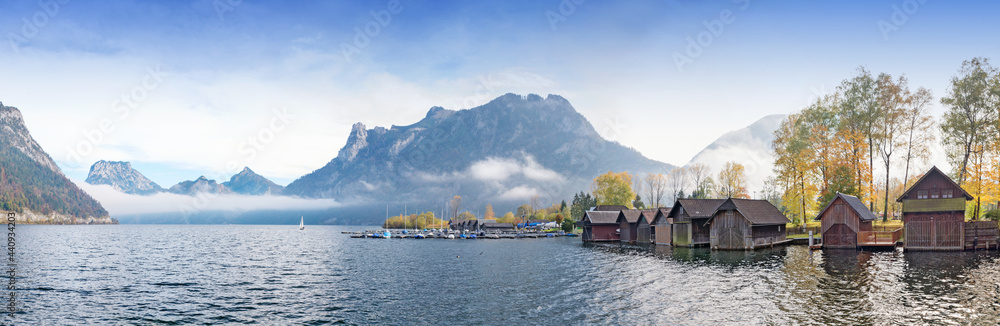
{"points": [[277, 274]]}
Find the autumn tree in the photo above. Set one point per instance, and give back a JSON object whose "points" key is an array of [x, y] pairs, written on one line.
{"points": [[613, 189], [507, 218], [488, 215], [733, 181], [859, 111], [794, 167]]}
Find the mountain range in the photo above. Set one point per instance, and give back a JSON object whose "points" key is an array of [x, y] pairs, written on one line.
{"points": [[122, 177], [504, 153]]}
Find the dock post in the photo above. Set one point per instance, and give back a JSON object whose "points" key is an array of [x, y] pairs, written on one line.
{"points": [[810, 239]]}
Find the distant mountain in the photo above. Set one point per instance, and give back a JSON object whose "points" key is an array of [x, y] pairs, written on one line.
{"points": [[32, 185], [505, 151], [122, 177], [249, 183], [750, 146], [200, 185]]}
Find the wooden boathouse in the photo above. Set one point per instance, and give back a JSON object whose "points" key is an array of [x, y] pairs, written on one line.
{"points": [[644, 228], [746, 224], [600, 226], [628, 224], [934, 213], [847, 223], [661, 225], [688, 219]]}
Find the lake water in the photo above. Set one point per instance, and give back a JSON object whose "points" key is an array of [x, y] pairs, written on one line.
{"points": [[238, 274]]}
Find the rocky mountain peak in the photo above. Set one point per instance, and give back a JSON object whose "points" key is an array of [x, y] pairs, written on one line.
{"points": [[355, 142], [508, 149], [248, 182], [200, 185], [122, 177], [14, 131]]}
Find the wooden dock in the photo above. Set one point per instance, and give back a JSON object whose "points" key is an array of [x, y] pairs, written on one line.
{"points": [[879, 238]]}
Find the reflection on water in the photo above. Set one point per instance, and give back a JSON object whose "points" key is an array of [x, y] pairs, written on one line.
{"points": [[148, 274], [794, 285]]}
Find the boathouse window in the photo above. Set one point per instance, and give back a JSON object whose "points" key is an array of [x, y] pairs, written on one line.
{"points": [[729, 213], [948, 193], [921, 194], [935, 193]]}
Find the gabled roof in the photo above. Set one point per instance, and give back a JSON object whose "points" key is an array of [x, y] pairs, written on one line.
{"points": [[632, 215], [854, 203], [757, 211], [606, 208], [601, 217], [934, 170], [661, 213], [697, 208], [648, 215]]}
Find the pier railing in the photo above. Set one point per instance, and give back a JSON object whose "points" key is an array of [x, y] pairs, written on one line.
{"points": [[879, 238]]}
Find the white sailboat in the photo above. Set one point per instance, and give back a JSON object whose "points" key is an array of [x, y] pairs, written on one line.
{"points": [[302, 223]]}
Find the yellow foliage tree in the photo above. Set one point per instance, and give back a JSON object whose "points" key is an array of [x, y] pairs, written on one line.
{"points": [[489, 215], [733, 181], [613, 189]]}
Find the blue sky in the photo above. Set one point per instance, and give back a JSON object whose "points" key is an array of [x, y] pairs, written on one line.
{"points": [[211, 79]]}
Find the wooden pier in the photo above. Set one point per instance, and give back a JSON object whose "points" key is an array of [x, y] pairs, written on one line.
{"points": [[879, 238]]}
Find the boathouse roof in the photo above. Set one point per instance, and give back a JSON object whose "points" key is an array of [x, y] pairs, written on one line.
{"points": [[854, 203], [609, 208], [601, 217], [697, 208], [933, 170], [757, 211]]}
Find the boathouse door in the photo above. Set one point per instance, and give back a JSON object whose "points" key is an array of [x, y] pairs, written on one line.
{"points": [[729, 231], [840, 229]]}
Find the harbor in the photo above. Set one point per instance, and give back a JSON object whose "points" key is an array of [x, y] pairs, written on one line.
{"points": [[452, 234]]}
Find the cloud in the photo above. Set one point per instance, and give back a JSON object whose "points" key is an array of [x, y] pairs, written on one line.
{"points": [[118, 203], [499, 169], [518, 193], [494, 169]]}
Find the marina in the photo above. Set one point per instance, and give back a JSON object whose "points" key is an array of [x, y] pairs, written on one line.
{"points": [[453, 235]]}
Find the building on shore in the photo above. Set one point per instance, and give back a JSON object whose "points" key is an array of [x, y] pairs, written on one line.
{"points": [[746, 224], [600, 226], [644, 228], [493, 226], [934, 213], [847, 223], [688, 219], [661, 226], [628, 223]]}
